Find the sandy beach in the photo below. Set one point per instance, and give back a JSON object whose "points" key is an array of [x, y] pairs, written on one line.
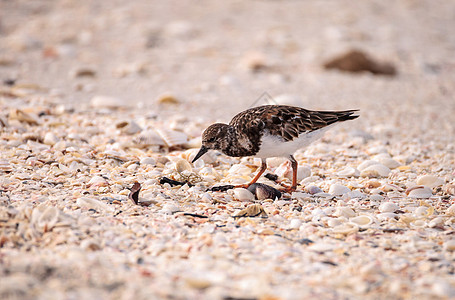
{"points": [[98, 95]]}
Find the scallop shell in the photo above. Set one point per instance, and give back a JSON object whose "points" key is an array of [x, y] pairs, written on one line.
{"points": [[173, 137], [429, 181], [148, 138]]}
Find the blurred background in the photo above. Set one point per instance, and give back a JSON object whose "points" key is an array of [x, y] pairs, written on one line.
{"points": [[392, 59]]}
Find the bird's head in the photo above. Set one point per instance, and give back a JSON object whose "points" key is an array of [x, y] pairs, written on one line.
{"points": [[213, 138]]}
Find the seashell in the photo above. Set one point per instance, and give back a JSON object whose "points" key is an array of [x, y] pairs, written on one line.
{"points": [[5, 166], [388, 187], [372, 183], [348, 172], [419, 192], [264, 191], [90, 245], [338, 189], [312, 189], [386, 216], [254, 210], [449, 245], [362, 221], [284, 170], [366, 164], [243, 194], [148, 138], [376, 198], [50, 139], [451, 210], [173, 137], [22, 116], [332, 222], [148, 161], [275, 162], [295, 224], [239, 169], [170, 208], [355, 194], [101, 101], [376, 170], [44, 218], [429, 181], [128, 127], [377, 150], [97, 181], [114, 155], [344, 211], [346, 228], [91, 203], [303, 172], [167, 99], [436, 222], [424, 211], [418, 224], [386, 160], [387, 207], [182, 165], [3, 122]]}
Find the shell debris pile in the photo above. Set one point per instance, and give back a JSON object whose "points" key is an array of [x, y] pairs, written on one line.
{"points": [[359, 218]]}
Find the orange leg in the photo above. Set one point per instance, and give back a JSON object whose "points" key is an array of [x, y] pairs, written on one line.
{"points": [[294, 165], [260, 172]]}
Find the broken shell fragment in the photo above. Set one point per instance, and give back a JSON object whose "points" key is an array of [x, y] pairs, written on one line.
{"points": [[128, 127], [388, 207], [254, 210], [419, 192], [429, 181]]}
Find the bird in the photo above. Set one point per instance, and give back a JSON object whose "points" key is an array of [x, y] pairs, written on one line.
{"points": [[270, 131]]}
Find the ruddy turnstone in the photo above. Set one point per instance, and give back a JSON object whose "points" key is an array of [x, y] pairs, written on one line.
{"points": [[270, 131]]}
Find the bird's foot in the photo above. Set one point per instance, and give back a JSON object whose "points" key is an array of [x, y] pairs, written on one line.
{"points": [[288, 189]]}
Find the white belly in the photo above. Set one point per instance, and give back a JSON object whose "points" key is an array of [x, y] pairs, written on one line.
{"points": [[273, 146]]}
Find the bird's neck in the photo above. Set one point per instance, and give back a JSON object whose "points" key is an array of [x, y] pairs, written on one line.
{"points": [[237, 144]]}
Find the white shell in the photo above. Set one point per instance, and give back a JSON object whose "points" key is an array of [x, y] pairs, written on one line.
{"points": [[107, 102], [451, 210], [376, 170], [94, 204], [387, 161], [388, 207], [239, 169], [44, 218], [148, 138], [362, 220], [284, 170], [312, 189], [148, 161], [429, 181], [344, 211], [338, 189], [348, 172], [243, 194], [449, 245], [173, 137], [420, 192], [295, 224], [386, 216], [128, 127], [303, 172], [50, 139], [366, 164], [438, 221], [97, 181], [182, 165], [346, 228]]}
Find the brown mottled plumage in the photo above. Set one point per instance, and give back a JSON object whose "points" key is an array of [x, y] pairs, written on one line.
{"points": [[283, 129]]}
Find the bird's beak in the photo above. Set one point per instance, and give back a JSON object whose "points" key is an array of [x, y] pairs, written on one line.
{"points": [[201, 152]]}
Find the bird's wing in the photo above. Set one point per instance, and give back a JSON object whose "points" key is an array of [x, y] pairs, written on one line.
{"points": [[287, 121]]}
